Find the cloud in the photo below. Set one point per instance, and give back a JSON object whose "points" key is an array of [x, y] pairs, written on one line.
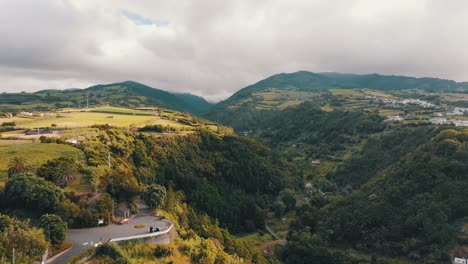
{"points": [[213, 48]]}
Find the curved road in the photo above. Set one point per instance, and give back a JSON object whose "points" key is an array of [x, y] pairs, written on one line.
{"points": [[87, 237]]}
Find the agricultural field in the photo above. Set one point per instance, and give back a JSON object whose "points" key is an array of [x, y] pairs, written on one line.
{"points": [[35, 153], [347, 92], [277, 99], [454, 97], [281, 226], [390, 112], [379, 94], [74, 118], [256, 239]]}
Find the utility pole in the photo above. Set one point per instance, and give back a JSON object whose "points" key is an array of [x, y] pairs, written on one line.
{"points": [[87, 95], [108, 159], [13, 258], [108, 227], [48, 225]]}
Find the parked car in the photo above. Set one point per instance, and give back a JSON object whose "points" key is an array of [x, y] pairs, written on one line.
{"points": [[153, 229], [124, 221]]}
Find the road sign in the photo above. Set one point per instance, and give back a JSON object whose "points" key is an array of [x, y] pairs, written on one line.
{"points": [[100, 221]]}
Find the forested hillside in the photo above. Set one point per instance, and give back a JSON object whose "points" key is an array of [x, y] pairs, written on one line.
{"points": [[405, 201], [230, 178]]}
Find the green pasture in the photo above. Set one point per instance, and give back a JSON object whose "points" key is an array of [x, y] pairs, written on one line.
{"points": [[35, 153]]}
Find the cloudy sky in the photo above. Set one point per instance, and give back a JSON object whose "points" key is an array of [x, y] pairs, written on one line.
{"points": [[213, 48]]}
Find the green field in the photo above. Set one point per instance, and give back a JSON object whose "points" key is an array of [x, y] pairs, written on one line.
{"points": [[277, 99], [256, 239], [34, 153]]}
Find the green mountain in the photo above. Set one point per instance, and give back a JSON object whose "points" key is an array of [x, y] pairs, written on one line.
{"points": [[309, 81], [283, 90], [126, 94]]}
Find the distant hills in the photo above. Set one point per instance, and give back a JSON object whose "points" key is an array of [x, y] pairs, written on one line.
{"points": [[127, 94], [276, 92], [288, 89], [309, 81]]}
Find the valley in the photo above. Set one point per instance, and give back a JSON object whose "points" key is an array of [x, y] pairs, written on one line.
{"points": [[300, 167]]}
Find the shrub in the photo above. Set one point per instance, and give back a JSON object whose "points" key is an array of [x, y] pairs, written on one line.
{"points": [[162, 251], [4, 124], [113, 251]]}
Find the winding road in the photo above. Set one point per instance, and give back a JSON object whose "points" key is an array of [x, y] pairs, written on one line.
{"points": [[88, 237]]}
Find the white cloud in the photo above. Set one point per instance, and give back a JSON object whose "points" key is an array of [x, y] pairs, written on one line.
{"points": [[212, 48]]}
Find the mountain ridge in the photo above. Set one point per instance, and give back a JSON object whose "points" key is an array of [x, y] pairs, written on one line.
{"points": [[127, 94], [306, 80]]}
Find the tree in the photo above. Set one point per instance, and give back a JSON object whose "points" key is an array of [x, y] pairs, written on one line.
{"points": [[155, 196], [279, 208], [121, 184], [33, 193], [61, 171], [171, 199], [68, 211], [16, 166], [54, 228], [288, 197], [305, 247], [27, 243]]}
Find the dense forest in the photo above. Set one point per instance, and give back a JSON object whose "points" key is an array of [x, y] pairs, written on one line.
{"points": [[394, 200], [318, 133], [230, 178]]}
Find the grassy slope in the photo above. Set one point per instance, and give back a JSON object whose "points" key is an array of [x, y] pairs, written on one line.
{"points": [[35, 153]]}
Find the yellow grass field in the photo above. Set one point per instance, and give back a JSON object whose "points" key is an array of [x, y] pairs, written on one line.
{"points": [[346, 92], [75, 119], [379, 94], [453, 97]]}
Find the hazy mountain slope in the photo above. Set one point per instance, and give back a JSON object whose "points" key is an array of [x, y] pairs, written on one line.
{"points": [[195, 102], [133, 93]]}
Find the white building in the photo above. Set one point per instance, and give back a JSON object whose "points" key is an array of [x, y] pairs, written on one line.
{"points": [[438, 120], [460, 123], [72, 141], [459, 260], [394, 118]]}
